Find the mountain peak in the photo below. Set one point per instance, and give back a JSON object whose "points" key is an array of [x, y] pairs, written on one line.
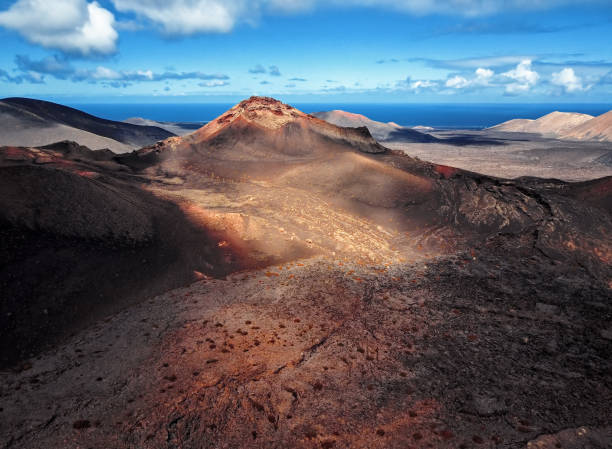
{"points": [[264, 111], [257, 101]]}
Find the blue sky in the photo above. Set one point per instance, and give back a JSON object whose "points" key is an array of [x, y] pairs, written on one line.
{"points": [[553, 51]]}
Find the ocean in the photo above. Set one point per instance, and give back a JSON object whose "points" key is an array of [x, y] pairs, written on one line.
{"points": [[458, 116]]}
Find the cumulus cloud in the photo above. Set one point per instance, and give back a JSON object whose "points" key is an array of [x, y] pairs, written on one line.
{"points": [[301, 80], [568, 80], [482, 77], [457, 82], [186, 16], [420, 85], [274, 71], [72, 26], [523, 78], [519, 79], [100, 73]]}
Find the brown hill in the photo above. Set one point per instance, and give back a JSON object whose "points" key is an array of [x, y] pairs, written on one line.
{"points": [[273, 127], [550, 125], [598, 128], [380, 131], [264, 140]]}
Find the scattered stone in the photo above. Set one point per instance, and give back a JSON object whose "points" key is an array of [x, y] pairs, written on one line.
{"points": [[547, 309], [487, 406], [606, 334], [579, 438], [81, 424]]}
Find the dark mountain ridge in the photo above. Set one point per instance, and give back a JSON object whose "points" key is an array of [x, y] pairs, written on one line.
{"points": [[39, 114]]}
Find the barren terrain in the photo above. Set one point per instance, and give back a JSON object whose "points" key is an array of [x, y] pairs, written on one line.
{"points": [[273, 280], [512, 155]]}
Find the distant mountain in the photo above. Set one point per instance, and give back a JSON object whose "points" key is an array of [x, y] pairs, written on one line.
{"points": [[28, 122], [177, 128], [598, 128], [550, 125], [382, 132]]}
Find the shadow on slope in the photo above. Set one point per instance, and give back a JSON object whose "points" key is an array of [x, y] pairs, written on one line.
{"points": [[78, 243]]}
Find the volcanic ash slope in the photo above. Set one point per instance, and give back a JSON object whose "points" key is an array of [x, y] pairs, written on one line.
{"points": [[347, 296]]}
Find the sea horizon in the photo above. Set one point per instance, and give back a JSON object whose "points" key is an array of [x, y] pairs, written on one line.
{"points": [[436, 115]]}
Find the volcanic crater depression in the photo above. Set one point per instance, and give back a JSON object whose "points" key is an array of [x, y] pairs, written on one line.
{"points": [[273, 280]]}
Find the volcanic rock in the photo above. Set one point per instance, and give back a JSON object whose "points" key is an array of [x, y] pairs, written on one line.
{"points": [[333, 293]]}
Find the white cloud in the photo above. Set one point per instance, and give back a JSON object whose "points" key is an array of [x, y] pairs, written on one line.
{"points": [[215, 83], [568, 80], [104, 73], [422, 84], [482, 77], [457, 82], [146, 74], [186, 17], [524, 78], [134, 76], [76, 26], [72, 26]]}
